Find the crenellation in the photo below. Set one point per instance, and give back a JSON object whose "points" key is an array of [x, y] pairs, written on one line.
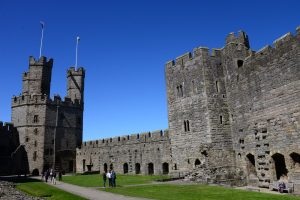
{"points": [[41, 62], [283, 40]]}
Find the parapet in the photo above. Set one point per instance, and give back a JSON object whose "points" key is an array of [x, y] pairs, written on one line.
{"points": [[126, 139], [76, 72], [43, 99], [41, 62], [202, 52]]}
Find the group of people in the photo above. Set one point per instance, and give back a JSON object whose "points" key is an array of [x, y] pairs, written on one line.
{"points": [[111, 176], [51, 174]]}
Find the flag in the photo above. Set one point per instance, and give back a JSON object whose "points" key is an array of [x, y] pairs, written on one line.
{"points": [[42, 24]]}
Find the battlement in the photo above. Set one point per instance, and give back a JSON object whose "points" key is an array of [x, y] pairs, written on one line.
{"points": [[279, 44], [6, 127], [76, 72], [41, 62], [202, 52], [128, 139], [43, 99]]}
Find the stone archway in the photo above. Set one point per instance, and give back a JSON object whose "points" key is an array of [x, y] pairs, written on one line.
{"points": [[150, 168], [165, 168], [125, 168], [137, 168], [279, 166], [250, 159], [295, 158]]}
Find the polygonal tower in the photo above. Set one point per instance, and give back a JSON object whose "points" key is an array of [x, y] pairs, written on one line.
{"points": [[49, 129]]}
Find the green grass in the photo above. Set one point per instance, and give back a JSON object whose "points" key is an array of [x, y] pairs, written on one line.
{"points": [[40, 189], [194, 192], [96, 180]]}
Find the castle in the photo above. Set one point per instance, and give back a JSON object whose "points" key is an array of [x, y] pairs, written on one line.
{"points": [[233, 115]]}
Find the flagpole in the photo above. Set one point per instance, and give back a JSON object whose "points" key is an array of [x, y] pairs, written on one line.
{"points": [[77, 41], [41, 46]]}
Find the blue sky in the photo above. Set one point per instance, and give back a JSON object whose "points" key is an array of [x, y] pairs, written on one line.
{"points": [[124, 47]]}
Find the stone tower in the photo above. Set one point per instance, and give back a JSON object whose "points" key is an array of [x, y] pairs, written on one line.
{"points": [[43, 122]]}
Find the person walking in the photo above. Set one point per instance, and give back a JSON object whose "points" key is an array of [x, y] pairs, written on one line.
{"points": [[108, 175], [47, 175], [113, 178], [104, 179], [54, 177]]}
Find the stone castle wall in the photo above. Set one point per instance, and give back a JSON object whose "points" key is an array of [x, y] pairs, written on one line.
{"points": [[132, 154]]}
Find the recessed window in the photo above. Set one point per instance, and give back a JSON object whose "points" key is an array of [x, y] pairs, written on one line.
{"points": [[35, 143], [35, 131], [27, 139], [240, 63], [179, 91], [217, 86], [221, 119], [186, 124], [35, 119], [34, 156]]}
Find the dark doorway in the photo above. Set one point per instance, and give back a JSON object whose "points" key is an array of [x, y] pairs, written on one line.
{"points": [[150, 169], [197, 162], [137, 168], [105, 167], [71, 165], [295, 159], [83, 165], [35, 172], [165, 168], [279, 164], [125, 168], [251, 164]]}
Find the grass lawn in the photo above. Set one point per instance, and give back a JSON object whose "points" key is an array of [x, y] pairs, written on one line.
{"points": [[194, 192], [40, 189], [95, 180]]}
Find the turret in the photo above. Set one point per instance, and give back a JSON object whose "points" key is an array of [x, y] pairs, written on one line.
{"points": [[75, 87], [38, 79], [242, 38]]}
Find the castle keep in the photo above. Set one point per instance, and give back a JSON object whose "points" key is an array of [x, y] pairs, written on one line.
{"points": [[46, 126], [233, 115]]}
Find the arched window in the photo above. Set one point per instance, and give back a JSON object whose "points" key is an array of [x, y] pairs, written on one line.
{"points": [[35, 119]]}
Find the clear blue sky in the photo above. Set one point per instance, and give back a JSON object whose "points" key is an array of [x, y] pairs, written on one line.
{"points": [[124, 46]]}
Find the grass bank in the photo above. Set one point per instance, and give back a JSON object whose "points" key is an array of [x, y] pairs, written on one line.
{"points": [[39, 189], [194, 192], [95, 180]]}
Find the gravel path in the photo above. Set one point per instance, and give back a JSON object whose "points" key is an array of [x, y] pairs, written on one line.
{"points": [[91, 193], [8, 191]]}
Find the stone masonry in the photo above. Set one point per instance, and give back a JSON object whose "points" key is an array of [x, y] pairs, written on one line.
{"points": [[233, 115], [49, 126]]}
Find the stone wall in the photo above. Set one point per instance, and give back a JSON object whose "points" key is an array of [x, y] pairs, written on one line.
{"points": [[132, 154], [43, 122]]}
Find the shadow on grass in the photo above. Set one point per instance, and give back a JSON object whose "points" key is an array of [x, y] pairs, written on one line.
{"points": [[19, 179]]}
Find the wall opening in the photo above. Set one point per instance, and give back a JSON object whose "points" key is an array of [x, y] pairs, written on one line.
{"points": [[150, 169], [279, 164], [221, 119], [137, 168], [251, 164], [35, 172], [105, 167], [165, 168], [83, 165], [111, 166], [295, 160], [125, 168], [197, 162], [240, 63]]}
